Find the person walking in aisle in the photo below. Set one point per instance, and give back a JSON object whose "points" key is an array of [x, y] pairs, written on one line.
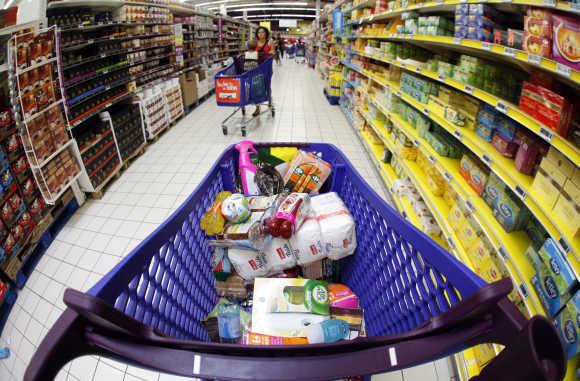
{"points": [[264, 49], [280, 46]]}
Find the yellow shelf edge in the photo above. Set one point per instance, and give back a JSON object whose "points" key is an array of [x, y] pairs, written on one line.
{"points": [[509, 109]]}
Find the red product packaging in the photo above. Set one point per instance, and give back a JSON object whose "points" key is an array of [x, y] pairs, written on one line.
{"points": [[537, 45], [503, 146], [7, 212], [8, 243], [12, 143], [36, 206], [549, 108], [28, 187], [3, 289], [5, 117], [19, 165]]}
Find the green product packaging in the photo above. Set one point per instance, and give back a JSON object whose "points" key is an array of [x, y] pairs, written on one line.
{"points": [[567, 324]]}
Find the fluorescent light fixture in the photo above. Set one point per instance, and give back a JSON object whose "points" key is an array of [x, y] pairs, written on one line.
{"points": [[277, 15], [245, 5], [273, 9]]}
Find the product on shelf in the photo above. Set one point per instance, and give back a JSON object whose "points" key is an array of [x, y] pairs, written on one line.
{"points": [[568, 325], [128, 128]]}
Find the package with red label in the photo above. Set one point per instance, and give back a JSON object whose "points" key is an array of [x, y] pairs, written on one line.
{"points": [[6, 179], [20, 165], [279, 255], [307, 242], [12, 144], [529, 152], [17, 204], [306, 173], [566, 41], [35, 207], [8, 244], [540, 46], [289, 215], [28, 187], [549, 108]]}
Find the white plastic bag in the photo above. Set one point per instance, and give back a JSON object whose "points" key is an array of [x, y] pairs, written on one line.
{"points": [[337, 226], [307, 242], [279, 256], [248, 263]]}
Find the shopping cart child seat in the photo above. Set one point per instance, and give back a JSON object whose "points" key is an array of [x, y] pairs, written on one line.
{"points": [[420, 303]]}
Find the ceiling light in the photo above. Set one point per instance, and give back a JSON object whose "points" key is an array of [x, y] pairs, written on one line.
{"points": [[273, 9], [295, 3]]}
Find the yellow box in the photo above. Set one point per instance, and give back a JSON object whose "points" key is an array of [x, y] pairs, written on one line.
{"points": [[469, 234], [567, 212], [561, 162], [484, 353], [435, 186], [491, 271], [479, 252], [436, 105], [572, 190], [545, 188], [450, 196], [456, 217]]}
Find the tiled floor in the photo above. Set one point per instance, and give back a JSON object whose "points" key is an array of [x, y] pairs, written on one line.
{"points": [[103, 231]]}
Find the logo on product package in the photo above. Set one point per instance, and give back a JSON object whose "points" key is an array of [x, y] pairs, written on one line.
{"points": [[570, 332], [228, 90], [554, 266], [550, 286]]}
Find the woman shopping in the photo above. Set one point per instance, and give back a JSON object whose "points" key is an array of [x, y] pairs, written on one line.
{"points": [[264, 48]]}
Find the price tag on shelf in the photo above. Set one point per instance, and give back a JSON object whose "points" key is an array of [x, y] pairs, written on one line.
{"points": [[534, 59], [457, 41], [524, 290], [501, 107], [105, 72], [510, 52], [462, 1], [404, 65], [426, 111], [468, 89], [372, 18], [398, 93], [448, 176], [100, 23], [431, 159], [469, 206], [549, 3], [439, 1], [546, 134], [486, 159], [418, 69], [564, 245], [458, 134], [563, 69], [441, 77], [416, 142], [486, 46], [503, 253], [521, 192]]}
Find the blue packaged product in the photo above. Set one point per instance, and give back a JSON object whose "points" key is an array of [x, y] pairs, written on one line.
{"points": [[484, 131], [506, 128], [480, 21], [487, 116], [461, 19], [567, 324], [461, 31], [510, 212], [6, 179], [479, 34], [462, 9], [554, 278]]}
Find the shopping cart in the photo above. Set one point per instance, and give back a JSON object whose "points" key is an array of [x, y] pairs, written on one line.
{"points": [[235, 87], [291, 51], [419, 302], [300, 53]]}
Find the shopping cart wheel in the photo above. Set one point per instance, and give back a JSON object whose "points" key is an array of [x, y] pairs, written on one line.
{"points": [[224, 129]]}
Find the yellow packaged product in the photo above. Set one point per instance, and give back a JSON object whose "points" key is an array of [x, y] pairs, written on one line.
{"points": [[456, 217], [450, 196], [491, 271], [374, 138], [479, 252], [435, 186], [484, 353], [468, 234], [430, 227], [436, 105]]}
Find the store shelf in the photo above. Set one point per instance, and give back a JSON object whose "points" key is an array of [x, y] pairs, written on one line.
{"points": [[83, 117], [35, 66], [33, 116], [90, 42], [364, 4], [53, 155], [491, 51], [500, 165], [563, 145], [99, 25]]}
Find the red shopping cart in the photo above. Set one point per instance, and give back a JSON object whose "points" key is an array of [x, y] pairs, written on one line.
{"points": [[235, 87], [419, 302]]}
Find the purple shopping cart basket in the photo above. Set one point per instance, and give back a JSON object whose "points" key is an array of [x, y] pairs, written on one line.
{"points": [[420, 303], [237, 88]]}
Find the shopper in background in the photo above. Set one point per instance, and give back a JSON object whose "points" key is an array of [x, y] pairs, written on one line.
{"points": [[264, 48], [280, 46]]}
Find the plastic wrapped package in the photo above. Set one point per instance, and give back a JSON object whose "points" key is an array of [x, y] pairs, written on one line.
{"points": [[279, 255], [307, 242], [248, 263]]}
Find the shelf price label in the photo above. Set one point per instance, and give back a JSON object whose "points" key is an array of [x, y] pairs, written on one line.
{"points": [[91, 41], [564, 245], [81, 26], [501, 107], [468, 90], [510, 52], [486, 46], [458, 134], [418, 69], [441, 77], [534, 59], [549, 3], [426, 111], [563, 70], [574, 6], [448, 176], [486, 159], [416, 142], [546, 134], [469, 206], [457, 41], [521, 192], [524, 290], [431, 159], [503, 253]]}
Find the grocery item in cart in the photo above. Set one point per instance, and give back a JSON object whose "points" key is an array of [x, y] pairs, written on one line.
{"points": [[306, 174], [328, 331], [250, 234], [290, 215], [213, 221], [307, 242], [279, 255], [248, 263], [236, 208], [336, 225]]}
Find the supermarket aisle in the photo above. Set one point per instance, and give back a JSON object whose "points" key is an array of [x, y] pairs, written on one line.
{"points": [[103, 231]]}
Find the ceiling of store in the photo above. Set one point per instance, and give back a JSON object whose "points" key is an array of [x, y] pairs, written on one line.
{"points": [[264, 10]]}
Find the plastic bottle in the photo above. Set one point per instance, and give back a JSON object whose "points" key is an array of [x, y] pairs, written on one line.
{"points": [[247, 168], [213, 221], [229, 325], [328, 331]]}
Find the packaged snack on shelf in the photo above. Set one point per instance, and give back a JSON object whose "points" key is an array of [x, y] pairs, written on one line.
{"points": [[469, 234], [279, 255], [510, 212], [484, 353], [306, 173], [285, 307], [545, 188], [536, 232], [567, 324], [537, 45], [450, 196], [502, 145], [546, 106], [473, 172], [456, 217], [336, 225], [248, 263], [538, 27], [529, 152], [565, 47], [567, 209], [492, 191], [429, 226], [479, 251], [554, 278]]}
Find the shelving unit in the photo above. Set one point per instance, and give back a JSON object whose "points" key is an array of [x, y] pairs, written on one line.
{"points": [[370, 94]]}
